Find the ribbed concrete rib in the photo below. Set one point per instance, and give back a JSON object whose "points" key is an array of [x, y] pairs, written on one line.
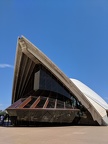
{"points": [[16, 71], [22, 74], [27, 78], [27, 69]]}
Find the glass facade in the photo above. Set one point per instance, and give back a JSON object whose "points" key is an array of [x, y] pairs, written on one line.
{"points": [[46, 82]]}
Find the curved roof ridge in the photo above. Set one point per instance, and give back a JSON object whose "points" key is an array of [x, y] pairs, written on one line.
{"points": [[88, 92]]}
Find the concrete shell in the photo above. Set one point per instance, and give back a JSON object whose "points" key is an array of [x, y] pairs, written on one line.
{"points": [[95, 100], [93, 103]]}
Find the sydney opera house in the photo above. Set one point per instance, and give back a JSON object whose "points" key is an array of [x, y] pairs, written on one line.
{"points": [[42, 93]]}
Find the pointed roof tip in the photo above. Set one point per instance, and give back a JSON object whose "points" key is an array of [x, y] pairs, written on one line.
{"points": [[22, 36], [19, 37]]}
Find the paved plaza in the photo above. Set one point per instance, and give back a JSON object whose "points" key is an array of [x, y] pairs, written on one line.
{"points": [[54, 135]]}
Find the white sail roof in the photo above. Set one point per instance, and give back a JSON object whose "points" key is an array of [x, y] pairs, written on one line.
{"points": [[89, 93]]}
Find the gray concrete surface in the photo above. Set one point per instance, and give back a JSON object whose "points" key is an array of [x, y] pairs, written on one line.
{"points": [[54, 135]]}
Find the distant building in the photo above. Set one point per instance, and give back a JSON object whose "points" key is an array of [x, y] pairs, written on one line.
{"points": [[42, 93]]}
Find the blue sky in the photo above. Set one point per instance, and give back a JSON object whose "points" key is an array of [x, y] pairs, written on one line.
{"points": [[72, 33]]}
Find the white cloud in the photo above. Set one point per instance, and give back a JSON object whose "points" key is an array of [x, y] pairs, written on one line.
{"points": [[6, 66]]}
